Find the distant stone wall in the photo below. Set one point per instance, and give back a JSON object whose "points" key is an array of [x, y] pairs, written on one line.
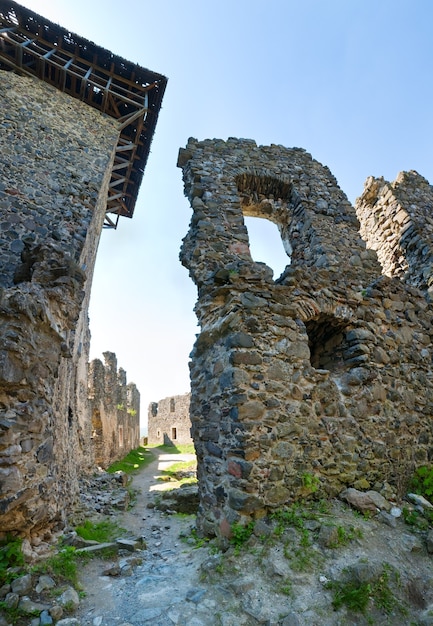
{"points": [[55, 164], [114, 410], [169, 421], [320, 379]]}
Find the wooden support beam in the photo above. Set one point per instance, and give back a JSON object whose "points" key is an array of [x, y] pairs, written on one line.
{"points": [[116, 197], [114, 183], [128, 119], [129, 146], [120, 166]]}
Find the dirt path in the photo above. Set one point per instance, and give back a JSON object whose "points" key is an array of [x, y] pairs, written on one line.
{"points": [[145, 483], [279, 581], [165, 588]]}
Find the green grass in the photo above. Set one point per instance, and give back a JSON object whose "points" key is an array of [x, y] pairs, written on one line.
{"points": [[356, 596], [104, 531], [135, 460], [172, 472], [63, 566], [187, 448], [240, 534]]}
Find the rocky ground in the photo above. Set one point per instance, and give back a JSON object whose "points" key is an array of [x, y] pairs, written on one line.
{"points": [[324, 565]]}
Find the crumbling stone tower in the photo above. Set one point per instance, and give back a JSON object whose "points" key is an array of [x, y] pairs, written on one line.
{"points": [[76, 126], [320, 379]]}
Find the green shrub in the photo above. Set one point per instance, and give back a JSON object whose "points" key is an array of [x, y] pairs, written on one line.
{"points": [[241, 534], [11, 556], [422, 481]]}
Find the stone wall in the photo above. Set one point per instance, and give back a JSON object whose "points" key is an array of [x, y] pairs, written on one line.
{"points": [[55, 164], [317, 380], [169, 422], [114, 409], [397, 221]]}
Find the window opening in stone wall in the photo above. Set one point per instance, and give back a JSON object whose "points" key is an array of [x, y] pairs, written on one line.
{"points": [[121, 436], [174, 433], [327, 343], [266, 245], [172, 405], [158, 433], [265, 204]]}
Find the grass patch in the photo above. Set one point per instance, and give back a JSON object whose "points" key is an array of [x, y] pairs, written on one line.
{"points": [[16, 615], [240, 535], [176, 471], [187, 448], [62, 566], [194, 539], [103, 532], [356, 596], [135, 460]]}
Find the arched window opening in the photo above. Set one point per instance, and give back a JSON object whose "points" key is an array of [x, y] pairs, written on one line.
{"points": [[266, 245], [327, 342], [265, 201]]}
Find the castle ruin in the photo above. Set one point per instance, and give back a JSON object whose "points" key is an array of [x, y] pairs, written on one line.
{"points": [[169, 421], [320, 379], [76, 127]]}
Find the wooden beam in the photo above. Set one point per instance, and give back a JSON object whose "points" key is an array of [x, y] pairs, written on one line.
{"points": [[128, 119], [130, 146], [114, 183], [120, 166]]}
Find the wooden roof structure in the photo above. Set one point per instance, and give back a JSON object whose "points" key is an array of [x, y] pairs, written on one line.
{"points": [[32, 45]]}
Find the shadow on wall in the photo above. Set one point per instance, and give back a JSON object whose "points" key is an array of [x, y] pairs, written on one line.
{"points": [[168, 441]]}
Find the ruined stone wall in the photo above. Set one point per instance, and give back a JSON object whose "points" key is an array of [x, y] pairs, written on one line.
{"points": [[55, 160], [114, 409], [169, 422], [397, 221], [312, 382]]}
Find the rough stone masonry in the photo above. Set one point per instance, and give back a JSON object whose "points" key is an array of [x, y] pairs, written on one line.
{"points": [[320, 379], [76, 127], [54, 175]]}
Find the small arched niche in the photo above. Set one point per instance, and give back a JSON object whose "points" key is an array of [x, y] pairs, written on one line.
{"points": [[264, 202], [327, 342]]}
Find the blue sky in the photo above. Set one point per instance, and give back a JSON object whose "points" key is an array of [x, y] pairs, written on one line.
{"points": [[348, 80]]}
